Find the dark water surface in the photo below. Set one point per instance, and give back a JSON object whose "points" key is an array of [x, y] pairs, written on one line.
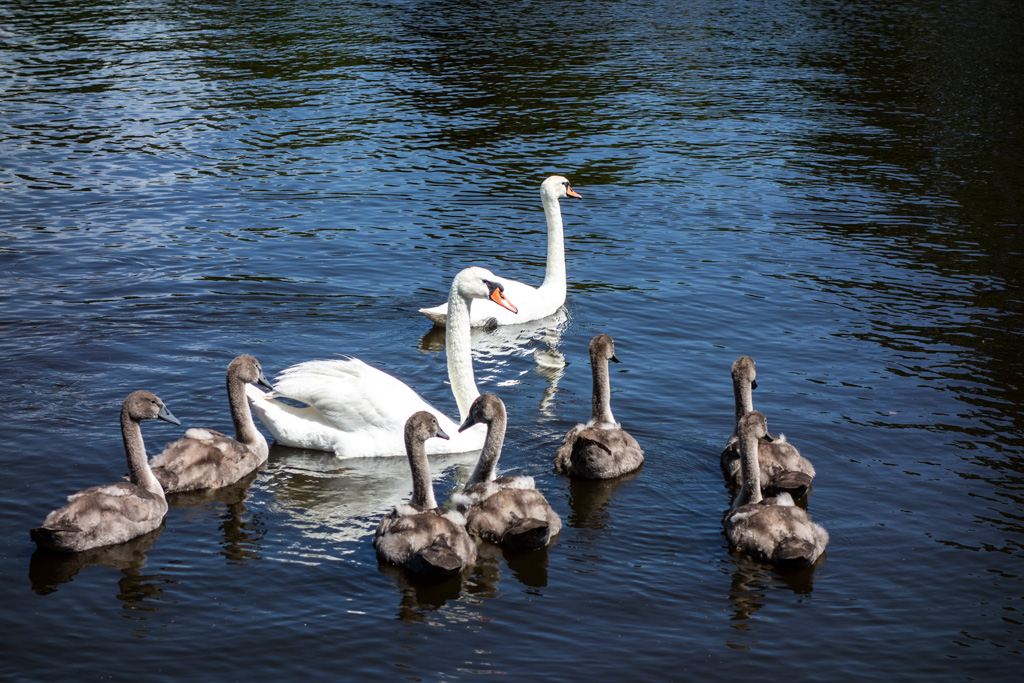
{"points": [[832, 188]]}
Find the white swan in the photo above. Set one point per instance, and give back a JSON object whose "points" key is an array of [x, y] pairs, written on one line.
{"points": [[105, 515], [355, 410], [506, 510], [207, 459], [782, 467], [418, 535], [772, 529], [601, 448], [533, 302]]}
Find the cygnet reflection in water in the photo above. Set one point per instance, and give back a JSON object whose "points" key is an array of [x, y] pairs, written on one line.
{"points": [[48, 570], [589, 498], [754, 582], [421, 595], [341, 501], [242, 534]]}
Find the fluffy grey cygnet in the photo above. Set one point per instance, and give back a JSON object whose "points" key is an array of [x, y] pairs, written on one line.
{"points": [[783, 469], [771, 529], [506, 510], [207, 459], [418, 535], [106, 515], [600, 449]]}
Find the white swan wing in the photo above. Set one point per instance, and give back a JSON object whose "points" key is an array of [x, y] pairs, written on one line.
{"points": [[294, 426], [352, 409], [349, 394]]}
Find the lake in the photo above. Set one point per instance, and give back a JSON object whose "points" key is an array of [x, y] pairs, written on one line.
{"points": [[831, 188]]}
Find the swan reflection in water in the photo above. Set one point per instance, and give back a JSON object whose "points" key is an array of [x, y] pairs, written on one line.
{"points": [[589, 498], [335, 505], [529, 567], [242, 534], [537, 339], [48, 570], [342, 500], [752, 583], [422, 595]]}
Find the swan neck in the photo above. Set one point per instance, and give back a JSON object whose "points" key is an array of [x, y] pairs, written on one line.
{"points": [[750, 492], [135, 452], [601, 400], [458, 344], [422, 488], [241, 416], [487, 465], [554, 274], [744, 396]]}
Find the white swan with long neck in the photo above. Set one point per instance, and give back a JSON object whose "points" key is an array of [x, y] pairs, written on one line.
{"points": [[771, 529], [355, 410], [106, 515], [533, 303]]}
